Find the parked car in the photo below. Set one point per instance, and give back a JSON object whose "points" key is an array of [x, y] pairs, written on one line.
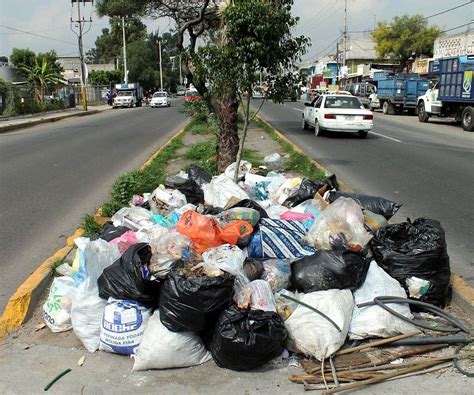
{"points": [[191, 95], [337, 113], [362, 90], [180, 90], [160, 99]]}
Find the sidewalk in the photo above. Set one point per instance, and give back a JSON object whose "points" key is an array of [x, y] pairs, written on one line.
{"points": [[42, 355], [25, 121]]}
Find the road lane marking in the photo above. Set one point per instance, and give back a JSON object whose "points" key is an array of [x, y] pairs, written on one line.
{"points": [[297, 109], [387, 137]]}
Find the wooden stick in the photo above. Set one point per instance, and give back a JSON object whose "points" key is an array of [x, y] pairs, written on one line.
{"points": [[376, 343]]}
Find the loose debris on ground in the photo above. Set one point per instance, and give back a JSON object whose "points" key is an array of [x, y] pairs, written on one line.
{"points": [[193, 266]]}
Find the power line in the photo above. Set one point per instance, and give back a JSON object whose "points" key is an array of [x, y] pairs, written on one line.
{"points": [[457, 27], [449, 10], [38, 35], [329, 46]]}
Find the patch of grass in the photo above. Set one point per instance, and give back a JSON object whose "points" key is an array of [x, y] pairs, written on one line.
{"points": [[252, 156], [297, 162], [197, 126], [203, 154], [55, 264], [91, 228]]}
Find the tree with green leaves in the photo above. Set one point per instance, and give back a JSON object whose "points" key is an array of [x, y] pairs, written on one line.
{"points": [[403, 36], [239, 38], [104, 77], [41, 76]]}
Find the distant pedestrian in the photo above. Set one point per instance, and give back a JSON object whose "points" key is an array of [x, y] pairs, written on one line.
{"points": [[110, 98]]}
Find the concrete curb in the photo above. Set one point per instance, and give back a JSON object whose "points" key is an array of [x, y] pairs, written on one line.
{"points": [[34, 122], [462, 293], [23, 302]]}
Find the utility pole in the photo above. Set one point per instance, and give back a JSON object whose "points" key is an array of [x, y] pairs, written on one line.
{"points": [[161, 68], [180, 71], [345, 31], [81, 24], [124, 39]]}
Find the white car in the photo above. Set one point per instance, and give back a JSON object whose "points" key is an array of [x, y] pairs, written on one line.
{"points": [[337, 113], [160, 99]]}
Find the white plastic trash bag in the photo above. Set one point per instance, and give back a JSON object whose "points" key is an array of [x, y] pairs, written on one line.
{"points": [[374, 321], [311, 333], [163, 349], [87, 306], [162, 201], [57, 308], [219, 191], [341, 224], [244, 168], [134, 218], [226, 257], [123, 326]]}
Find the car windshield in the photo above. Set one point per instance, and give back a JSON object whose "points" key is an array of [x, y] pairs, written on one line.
{"points": [[124, 93], [159, 94], [343, 102]]}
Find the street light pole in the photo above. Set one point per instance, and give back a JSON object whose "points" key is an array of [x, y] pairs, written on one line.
{"points": [[124, 39], [161, 68]]}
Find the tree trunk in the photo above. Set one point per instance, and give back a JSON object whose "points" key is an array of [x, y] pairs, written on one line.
{"points": [[228, 140]]}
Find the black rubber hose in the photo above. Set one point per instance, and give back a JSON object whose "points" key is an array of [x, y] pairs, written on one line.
{"points": [[313, 309], [456, 362], [432, 309], [419, 341], [381, 300]]}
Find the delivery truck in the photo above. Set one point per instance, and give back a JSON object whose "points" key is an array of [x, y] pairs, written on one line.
{"points": [[451, 95]]}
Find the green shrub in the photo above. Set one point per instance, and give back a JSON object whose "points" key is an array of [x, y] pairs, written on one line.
{"points": [[90, 226]]}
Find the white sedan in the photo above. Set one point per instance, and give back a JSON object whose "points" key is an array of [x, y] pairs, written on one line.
{"points": [[337, 113], [160, 99]]}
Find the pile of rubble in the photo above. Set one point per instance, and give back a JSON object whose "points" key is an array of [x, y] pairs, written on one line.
{"points": [[204, 268]]}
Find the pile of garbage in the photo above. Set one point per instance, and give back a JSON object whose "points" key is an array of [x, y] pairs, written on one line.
{"points": [[204, 268]]}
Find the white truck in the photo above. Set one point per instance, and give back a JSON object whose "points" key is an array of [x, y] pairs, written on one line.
{"points": [[128, 95]]}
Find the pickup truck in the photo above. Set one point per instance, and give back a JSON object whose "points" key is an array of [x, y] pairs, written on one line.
{"points": [[128, 95], [453, 95], [400, 91]]}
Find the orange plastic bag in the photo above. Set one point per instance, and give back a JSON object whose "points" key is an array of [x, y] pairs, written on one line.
{"points": [[236, 230], [205, 231]]}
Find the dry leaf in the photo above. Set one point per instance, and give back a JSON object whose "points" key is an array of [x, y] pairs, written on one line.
{"points": [[40, 326]]}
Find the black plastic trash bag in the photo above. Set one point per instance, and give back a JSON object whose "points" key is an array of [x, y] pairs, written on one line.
{"points": [[110, 232], [251, 204], [253, 268], [199, 175], [188, 188], [194, 303], [329, 270], [208, 209], [307, 190], [332, 183], [247, 339], [417, 249], [129, 277], [377, 205]]}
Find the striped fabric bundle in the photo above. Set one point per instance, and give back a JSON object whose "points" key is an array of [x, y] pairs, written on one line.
{"points": [[279, 239]]}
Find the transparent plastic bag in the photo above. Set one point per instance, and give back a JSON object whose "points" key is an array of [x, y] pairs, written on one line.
{"points": [[339, 226], [277, 272], [228, 258], [220, 190], [162, 201], [257, 295], [133, 218]]}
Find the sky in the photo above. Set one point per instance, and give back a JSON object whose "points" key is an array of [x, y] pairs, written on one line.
{"points": [[321, 20]]}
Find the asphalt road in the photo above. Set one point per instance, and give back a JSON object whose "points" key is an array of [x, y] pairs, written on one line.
{"points": [[427, 167], [53, 174]]}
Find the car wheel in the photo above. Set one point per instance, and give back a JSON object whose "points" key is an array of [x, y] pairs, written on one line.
{"points": [[362, 133], [304, 124], [317, 129], [422, 115], [467, 119]]}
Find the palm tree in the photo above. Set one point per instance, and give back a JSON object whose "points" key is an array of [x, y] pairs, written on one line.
{"points": [[41, 76]]}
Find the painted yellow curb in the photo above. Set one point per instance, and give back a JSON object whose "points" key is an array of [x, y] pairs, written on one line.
{"points": [[19, 305]]}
